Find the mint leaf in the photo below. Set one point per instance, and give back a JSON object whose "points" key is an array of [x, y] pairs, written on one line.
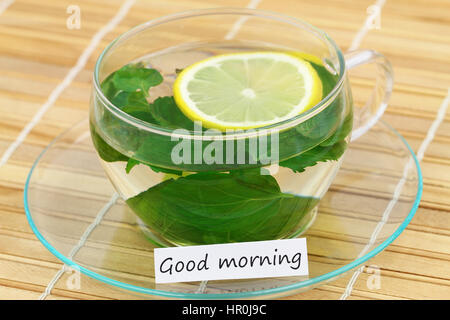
{"points": [[133, 78], [127, 88], [108, 88], [213, 207], [335, 151], [132, 102], [131, 99], [317, 154], [165, 170], [320, 126], [168, 115], [327, 120], [135, 104], [105, 152], [341, 133], [330, 149], [130, 164], [133, 162], [328, 79], [120, 100]]}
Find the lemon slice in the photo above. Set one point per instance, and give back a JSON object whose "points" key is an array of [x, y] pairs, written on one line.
{"points": [[247, 90]]}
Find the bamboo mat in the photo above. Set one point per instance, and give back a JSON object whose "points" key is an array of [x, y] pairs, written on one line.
{"points": [[45, 80]]}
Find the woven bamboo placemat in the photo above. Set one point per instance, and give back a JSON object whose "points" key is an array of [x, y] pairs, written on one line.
{"points": [[45, 80]]}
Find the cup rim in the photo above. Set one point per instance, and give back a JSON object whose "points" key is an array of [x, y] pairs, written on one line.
{"points": [[278, 126]]}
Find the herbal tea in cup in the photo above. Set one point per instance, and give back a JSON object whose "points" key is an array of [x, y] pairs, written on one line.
{"points": [[214, 140]]}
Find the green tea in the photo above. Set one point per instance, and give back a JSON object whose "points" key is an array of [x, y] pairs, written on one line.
{"points": [[227, 200]]}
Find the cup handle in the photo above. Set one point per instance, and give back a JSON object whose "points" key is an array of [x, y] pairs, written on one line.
{"points": [[377, 103]]}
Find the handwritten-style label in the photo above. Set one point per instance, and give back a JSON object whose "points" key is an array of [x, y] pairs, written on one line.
{"points": [[244, 260]]}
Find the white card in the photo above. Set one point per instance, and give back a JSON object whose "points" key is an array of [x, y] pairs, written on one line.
{"points": [[244, 260]]}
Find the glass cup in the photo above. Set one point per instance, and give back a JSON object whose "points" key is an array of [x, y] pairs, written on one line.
{"points": [[191, 186]]}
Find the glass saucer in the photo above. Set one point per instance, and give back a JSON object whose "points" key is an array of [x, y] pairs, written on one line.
{"points": [[75, 212]]}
